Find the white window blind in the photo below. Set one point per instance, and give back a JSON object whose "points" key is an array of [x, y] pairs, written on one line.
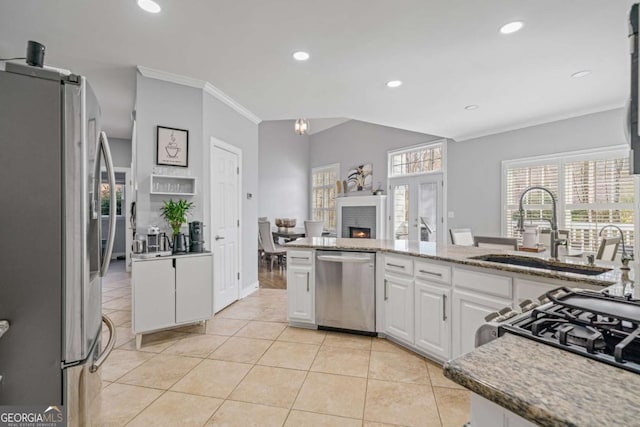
{"points": [[592, 190], [537, 203], [597, 193], [323, 194], [424, 159]]}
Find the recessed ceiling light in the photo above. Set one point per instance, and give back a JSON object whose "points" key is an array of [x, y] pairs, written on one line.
{"points": [[511, 27], [471, 107], [394, 83], [301, 55], [149, 6], [579, 74]]}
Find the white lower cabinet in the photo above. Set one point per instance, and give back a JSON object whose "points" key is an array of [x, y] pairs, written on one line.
{"points": [[194, 290], [485, 413], [469, 311], [300, 294], [529, 289], [170, 291], [433, 318], [301, 286], [398, 307]]}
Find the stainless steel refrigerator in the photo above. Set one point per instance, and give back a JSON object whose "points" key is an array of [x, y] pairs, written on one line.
{"points": [[52, 254]]}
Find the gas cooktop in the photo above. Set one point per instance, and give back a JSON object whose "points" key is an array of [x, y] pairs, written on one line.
{"points": [[603, 327]]}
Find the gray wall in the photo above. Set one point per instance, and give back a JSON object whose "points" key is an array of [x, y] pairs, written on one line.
{"points": [[171, 105], [474, 166], [223, 123], [121, 152], [284, 172], [354, 143]]}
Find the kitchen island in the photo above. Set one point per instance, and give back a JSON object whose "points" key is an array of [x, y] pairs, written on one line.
{"points": [[545, 385], [431, 298]]}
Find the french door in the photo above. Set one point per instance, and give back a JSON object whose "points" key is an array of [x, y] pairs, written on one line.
{"points": [[416, 208]]}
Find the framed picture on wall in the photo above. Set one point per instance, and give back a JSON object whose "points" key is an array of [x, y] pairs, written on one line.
{"points": [[172, 146]]}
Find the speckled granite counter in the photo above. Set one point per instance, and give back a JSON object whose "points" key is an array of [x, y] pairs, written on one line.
{"points": [[461, 255], [547, 385]]}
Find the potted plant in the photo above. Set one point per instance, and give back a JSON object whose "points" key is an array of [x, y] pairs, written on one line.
{"points": [[175, 213]]}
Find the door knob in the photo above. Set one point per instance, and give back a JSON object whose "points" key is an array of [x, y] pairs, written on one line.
{"points": [[219, 237]]}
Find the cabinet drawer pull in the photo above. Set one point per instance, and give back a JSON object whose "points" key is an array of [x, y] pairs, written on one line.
{"points": [[431, 273], [385, 290], [308, 274], [300, 257], [444, 307], [395, 265]]}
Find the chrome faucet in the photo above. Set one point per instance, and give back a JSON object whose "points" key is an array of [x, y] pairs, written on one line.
{"points": [[554, 240], [625, 257]]}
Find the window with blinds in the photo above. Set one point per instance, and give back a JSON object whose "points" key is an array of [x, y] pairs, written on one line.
{"points": [[538, 205], [592, 191], [597, 193], [424, 159], [323, 194]]}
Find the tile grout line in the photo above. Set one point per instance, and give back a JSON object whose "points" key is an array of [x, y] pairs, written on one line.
{"points": [[305, 378], [242, 379]]}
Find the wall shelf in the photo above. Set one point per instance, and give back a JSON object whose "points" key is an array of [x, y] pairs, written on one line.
{"points": [[171, 185]]}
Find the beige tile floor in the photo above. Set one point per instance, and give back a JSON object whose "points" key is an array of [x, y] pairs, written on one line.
{"points": [[246, 367]]}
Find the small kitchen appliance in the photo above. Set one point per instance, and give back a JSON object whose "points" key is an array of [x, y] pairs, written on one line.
{"points": [[153, 239], [598, 325], [196, 236], [179, 245]]}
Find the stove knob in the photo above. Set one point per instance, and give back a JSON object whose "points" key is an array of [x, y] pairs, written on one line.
{"points": [[527, 305], [491, 316], [509, 314]]}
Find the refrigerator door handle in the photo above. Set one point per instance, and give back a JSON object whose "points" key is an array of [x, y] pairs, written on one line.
{"points": [[4, 327], [107, 348], [106, 150]]}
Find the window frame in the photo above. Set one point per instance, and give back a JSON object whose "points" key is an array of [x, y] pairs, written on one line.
{"points": [[561, 159], [335, 167], [426, 145]]}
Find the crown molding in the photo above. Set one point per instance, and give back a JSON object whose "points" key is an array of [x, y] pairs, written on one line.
{"points": [[199, 84]]}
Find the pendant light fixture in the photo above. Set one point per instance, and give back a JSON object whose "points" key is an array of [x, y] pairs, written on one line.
{"points": [[301, 127]]}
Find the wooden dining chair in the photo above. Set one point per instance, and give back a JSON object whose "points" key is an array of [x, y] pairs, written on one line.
{"points": [[272, 251], [313, 228], [461, 236]]}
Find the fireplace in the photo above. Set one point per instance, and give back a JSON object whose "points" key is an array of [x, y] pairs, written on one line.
{"points": [[359, 232], [365, 214]]}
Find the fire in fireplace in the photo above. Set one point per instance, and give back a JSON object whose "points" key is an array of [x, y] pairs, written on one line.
{"points": [[359, 233]]}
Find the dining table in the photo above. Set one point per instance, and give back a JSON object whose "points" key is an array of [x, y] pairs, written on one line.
{"points": [[290, 234]]}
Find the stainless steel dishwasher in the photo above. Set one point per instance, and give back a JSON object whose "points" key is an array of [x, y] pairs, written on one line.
{"points": [[345, 291]]}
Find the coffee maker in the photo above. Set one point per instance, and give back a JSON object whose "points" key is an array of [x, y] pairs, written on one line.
{"points": [[196, 236]]}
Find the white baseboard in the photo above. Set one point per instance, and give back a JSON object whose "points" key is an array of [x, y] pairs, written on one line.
{"points": [[249, 290]]}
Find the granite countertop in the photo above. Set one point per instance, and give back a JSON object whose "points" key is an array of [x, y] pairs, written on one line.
{"points": [[547, 385], [463, 254]]}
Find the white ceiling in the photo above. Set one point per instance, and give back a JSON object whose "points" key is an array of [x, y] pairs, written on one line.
{"points": [[448, 53]]}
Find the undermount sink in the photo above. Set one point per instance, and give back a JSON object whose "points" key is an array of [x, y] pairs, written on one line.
{"points": [[524, 261]]}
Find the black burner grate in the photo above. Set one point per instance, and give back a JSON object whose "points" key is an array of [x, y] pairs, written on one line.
{"points": [[602, 327]]}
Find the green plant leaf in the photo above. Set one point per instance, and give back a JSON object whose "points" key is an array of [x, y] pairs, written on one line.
{"points": [[175, 213]]}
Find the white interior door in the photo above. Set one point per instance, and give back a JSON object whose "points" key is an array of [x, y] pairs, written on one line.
{"points": [[416, 208], [225, 213]]}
